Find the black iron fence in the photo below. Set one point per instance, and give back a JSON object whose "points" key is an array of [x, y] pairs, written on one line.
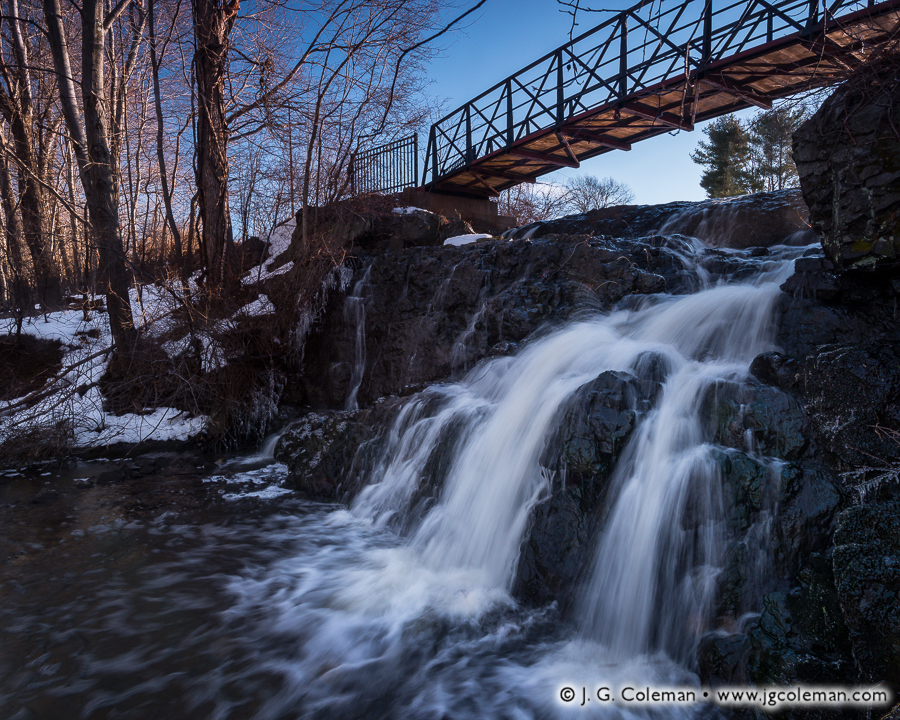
{"points": [[385, 169], [620, 59]]}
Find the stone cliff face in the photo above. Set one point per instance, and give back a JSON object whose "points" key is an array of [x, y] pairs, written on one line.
{"points": [[848, 159], [826, 404]]}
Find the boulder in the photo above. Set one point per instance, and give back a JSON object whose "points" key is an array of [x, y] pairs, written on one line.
{"points": [[594, 426], [800, 635], [848, 160], [322, 450], [758, 418]]}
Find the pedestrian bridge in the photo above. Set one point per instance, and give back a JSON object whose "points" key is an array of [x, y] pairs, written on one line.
{"points": [[656, 67]]}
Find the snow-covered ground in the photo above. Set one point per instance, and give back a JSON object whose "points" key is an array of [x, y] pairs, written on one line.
{"points": [[74, 404]]}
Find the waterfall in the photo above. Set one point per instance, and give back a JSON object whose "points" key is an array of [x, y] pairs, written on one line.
{"points": [[481, 440], [355, 314]]}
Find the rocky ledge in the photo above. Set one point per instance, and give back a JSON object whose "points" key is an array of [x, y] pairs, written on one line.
{"points": [[824, 407]]}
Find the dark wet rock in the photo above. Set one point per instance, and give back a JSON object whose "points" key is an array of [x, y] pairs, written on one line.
{"points": [[433, 312], [722, 659], [800, 635], [849, 392], [108, 477], [595, 424], [848, 160], [329, 453], [776, 369], [395, 231], [744, 483], [45, 496], [318, 450], [867, 574], [557, 545], [750, 221], [814, 278], [754, 417], [807, 511], [777, 516]]}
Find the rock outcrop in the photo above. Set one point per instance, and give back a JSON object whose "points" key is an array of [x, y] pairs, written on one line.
{"points": [[814, 429], [759, 220], [867, 571], [430, 313], [848, 159]]}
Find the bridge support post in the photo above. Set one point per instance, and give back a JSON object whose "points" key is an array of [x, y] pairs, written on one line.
{"points": [[469, 154], [510, 136], [560, 92], [623, 58]]}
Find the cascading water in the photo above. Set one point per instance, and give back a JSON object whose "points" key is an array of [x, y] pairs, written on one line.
{"points": [[401, 607], [654, 575], [355, 314]]}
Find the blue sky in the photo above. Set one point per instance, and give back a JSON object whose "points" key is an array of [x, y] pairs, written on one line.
{"points": [[506, 35]]}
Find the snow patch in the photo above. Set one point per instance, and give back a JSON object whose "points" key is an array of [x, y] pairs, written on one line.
{"points": [[279, 241], [466, 239], [261, 306]]}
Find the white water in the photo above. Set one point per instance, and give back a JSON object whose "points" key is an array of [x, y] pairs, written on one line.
{"points": [[355, 313], [652, 586], [413, 594]]}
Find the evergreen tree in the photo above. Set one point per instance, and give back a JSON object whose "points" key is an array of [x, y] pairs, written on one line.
{"points": [[770, 147], [727, 159]]}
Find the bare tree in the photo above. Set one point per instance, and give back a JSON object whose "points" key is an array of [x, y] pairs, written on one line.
{"points": [[530, 203], [95, 132], [213, 22], [27, 98], [587, 192]]}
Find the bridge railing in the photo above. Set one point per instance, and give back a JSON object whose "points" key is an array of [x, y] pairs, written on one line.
{"points": [[385, 169], [619, 59]]}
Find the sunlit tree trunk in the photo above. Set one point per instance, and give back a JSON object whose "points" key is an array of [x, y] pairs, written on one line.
{"points": [[93, 146], [213, 21]]}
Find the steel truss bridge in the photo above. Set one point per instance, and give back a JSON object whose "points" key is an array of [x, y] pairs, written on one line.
{"points": [[656, 67]]}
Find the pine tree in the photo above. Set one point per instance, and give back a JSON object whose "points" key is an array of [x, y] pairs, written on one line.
{"points": [[727, 159], [770, 147]]}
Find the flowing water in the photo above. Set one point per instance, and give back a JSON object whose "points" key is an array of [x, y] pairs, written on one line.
{"points": [[262, 605]]}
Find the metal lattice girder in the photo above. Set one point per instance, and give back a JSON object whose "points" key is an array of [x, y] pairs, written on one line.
{"points": [[656, 67]]}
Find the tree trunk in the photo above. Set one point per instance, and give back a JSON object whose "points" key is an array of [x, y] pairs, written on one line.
{"points": [[212, 27], [18, 110], [99, 174], [160, 149]]}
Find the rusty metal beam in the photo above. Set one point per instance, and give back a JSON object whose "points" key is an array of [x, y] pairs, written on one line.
{"points": [[565, 144], [544, 158], [825, 47], [492, 192], [655, 115]]}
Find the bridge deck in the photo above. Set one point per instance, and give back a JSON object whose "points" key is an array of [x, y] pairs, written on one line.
{"points": [[512, 152]]}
